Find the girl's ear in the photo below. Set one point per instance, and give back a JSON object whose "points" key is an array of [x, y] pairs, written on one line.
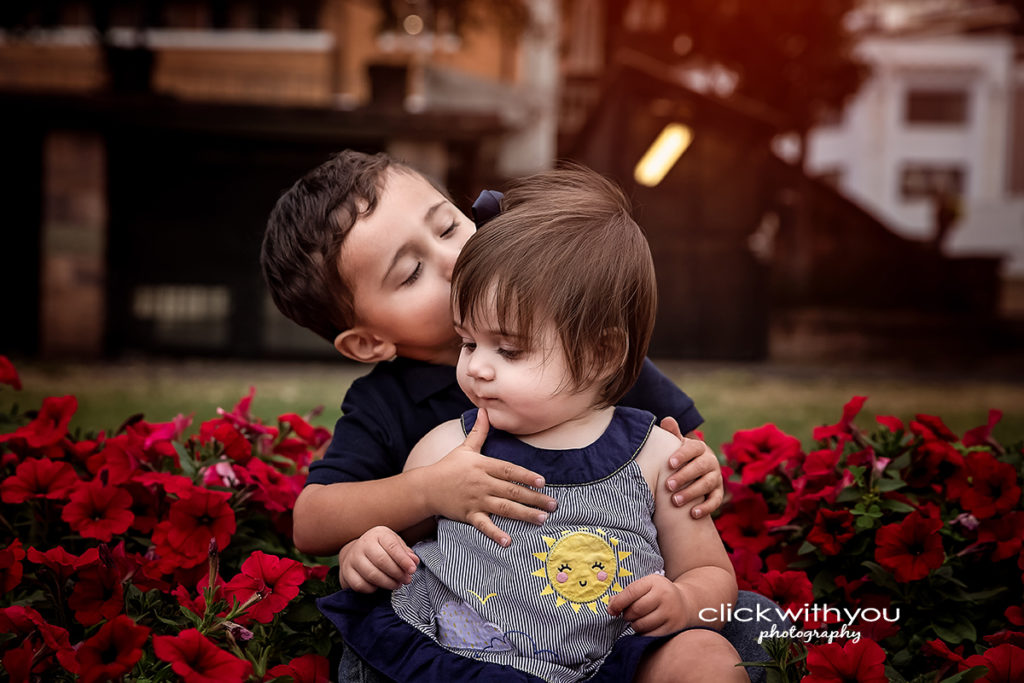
{"points": [[360, 344]]}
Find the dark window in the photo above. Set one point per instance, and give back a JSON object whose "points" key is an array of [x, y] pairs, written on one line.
{"points": [[919, 181], [937, 106]]}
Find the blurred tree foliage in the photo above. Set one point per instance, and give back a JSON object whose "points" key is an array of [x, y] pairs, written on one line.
{"points": [[795, 57]]}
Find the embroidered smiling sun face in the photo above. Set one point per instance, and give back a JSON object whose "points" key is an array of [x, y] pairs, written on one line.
{"points": [[582, 567]]}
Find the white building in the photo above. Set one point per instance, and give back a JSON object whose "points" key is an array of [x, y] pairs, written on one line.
{"points": [[937, 115]]}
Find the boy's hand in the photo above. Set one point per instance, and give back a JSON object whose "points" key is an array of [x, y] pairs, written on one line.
{"points": [[653, 605], [377, 559], [471, 487], [697, 473]]}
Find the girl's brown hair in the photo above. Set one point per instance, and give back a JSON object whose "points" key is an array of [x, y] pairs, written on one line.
{"points": [[564, 248]]}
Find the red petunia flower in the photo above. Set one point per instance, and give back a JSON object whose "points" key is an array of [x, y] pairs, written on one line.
{"points": [[167, 431], [939, 650], [276, 491], [197, 660], [38, 478], [277, 579], [832, 528], [844, 429], [759, 451], [11, 569], [113, 651], [236, 446], [98, 511], [932, 463], [747, 566], [1005, 664], [62, 563], [39, 643], [852, 662], [182, 540], [931, 427], [982, 436], [311, 668], [893, 424], [912, 548], [742, 526], [8, 374], [986, 487], [790, 589], [314, 436], [98, 594], [1006, 532], [50, 426]]}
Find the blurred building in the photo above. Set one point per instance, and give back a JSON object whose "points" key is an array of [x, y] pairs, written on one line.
{"points": [[145, 143], [933, 144]]}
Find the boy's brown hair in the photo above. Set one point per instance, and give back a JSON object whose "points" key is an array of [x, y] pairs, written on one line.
{"points": [[564, 248], [305, 232]]}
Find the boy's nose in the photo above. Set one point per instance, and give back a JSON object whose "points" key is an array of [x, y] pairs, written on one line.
{"points": [[448, 259]]}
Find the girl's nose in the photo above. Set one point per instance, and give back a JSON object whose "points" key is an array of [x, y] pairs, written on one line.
{"points": [[479, 368]]}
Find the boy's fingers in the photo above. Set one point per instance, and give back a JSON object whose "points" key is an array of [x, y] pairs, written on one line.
{"points": [[669, 424], [710, 504], [688, 452], [691, 466], [478, 434]]}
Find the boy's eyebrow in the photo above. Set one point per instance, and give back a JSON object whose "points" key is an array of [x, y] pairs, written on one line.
{"points": [[405, 247]]}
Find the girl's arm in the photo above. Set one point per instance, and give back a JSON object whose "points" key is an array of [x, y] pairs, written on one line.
{"points": [[699, 578]]}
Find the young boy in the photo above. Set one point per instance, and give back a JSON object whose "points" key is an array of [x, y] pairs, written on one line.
{"points": [[360, 251]]}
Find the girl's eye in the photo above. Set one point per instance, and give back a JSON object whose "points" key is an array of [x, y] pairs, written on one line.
{"points": [[510, 354], [414, 276], [565, 568], [597, 565], [469, 346], [450, 229]]}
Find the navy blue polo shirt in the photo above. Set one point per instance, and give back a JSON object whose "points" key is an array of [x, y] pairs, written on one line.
{"points": [[386, 412]]}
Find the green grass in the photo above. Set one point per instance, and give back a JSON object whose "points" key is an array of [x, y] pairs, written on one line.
{"points": [[730, 397]]}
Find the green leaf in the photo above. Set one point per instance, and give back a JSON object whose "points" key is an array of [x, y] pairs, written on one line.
{"points": [[886, 484], [972, 674], [806, 547], [864, 521], [955, 632], [897, 506], [188, 464], [848, 495]]}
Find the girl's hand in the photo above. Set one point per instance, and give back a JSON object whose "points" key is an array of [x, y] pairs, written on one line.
{"points": [[470, 487], [696, 473], [653, 605], [377, 559]]}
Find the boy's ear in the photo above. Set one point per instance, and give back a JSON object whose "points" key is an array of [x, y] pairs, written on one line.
{"points": [[360, 344]]}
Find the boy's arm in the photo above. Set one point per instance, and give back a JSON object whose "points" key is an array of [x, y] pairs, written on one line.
{"points": [[699, 576], [445, 475]]}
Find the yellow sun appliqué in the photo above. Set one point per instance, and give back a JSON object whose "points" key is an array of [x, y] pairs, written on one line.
{"points": [[582, 567]]}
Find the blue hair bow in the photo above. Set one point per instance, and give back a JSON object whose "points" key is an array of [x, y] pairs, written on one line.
{"points": [[486, 207]]}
